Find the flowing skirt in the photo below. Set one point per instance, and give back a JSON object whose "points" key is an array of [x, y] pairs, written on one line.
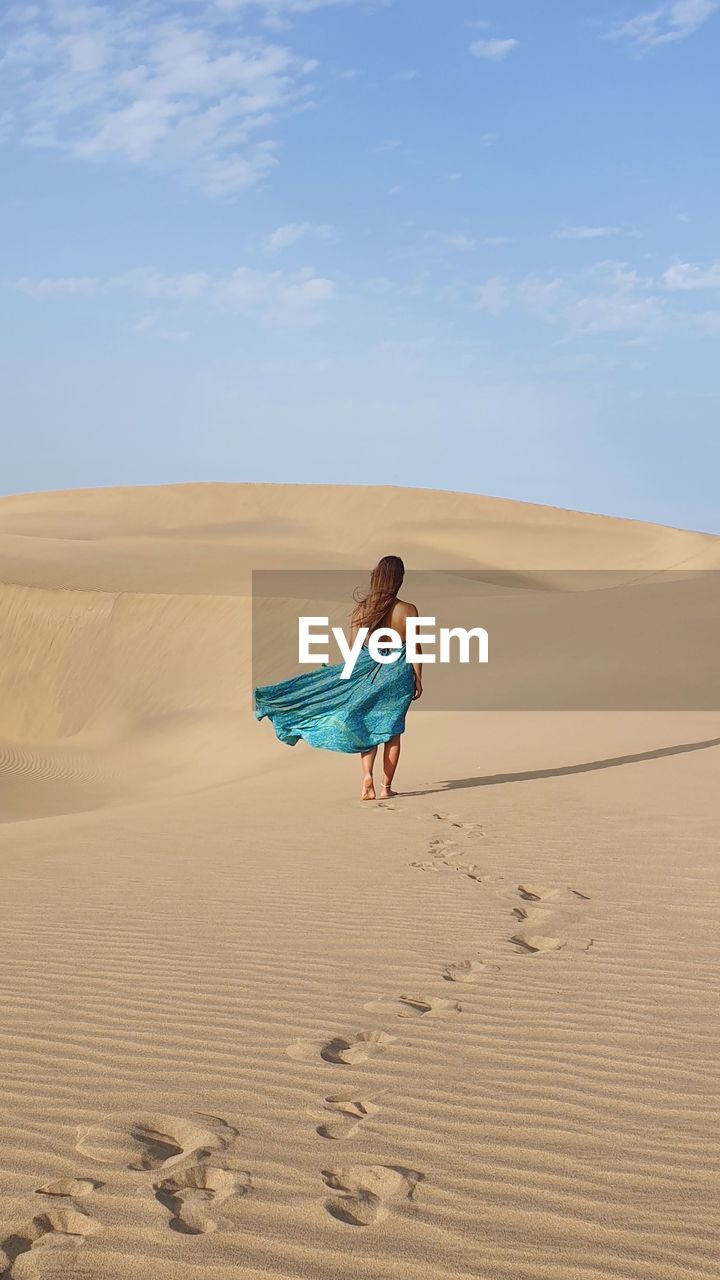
{"points": [[341, 715]]}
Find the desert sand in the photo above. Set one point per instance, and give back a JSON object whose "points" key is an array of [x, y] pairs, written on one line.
{"points": [[253, 1029]]}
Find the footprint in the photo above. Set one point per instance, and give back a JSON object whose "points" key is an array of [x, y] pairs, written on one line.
{"points": [[57, 1228], [368, 1190], [452, 854], [531, 915], [446, 855], [357, 1048], [469, 971], [348, 1112], [472, 870], [346, 1050], [150, 1141], [535, 892], [75, 1188], [540, 893], [538, 942], [473, 828], [545, 921], [414, 1007], [189, 1193], [437, 864], [226, 1132]]}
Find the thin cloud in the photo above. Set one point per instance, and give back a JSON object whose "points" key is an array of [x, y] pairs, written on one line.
{"points": [[278, 15], [586, 233], [493, 50], [291, 232], [178, 91], [493, 296], [666, 24], [608, 298], [152, 328], [57, 287], [292, 298], [458, 241], [277, 12], [689, 276]]}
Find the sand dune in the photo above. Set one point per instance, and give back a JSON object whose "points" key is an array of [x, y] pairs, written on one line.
{"points": [[252, 1028]]}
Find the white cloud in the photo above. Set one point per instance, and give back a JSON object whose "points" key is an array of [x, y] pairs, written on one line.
{"points": [[184, 287], [665, 24], [57, 287], [152, 327], [585, 233], [295, 298], [686, 275], [494, 296], [459, 241], [178, 89], [295, 6], [540, 296], [291, 232], [615, 299], [279, 13], [285, 299], [608, 298], [493, 49], [279, 6]]}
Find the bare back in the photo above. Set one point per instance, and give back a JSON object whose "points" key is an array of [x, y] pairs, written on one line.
{"points": [[397, 615], [395, 619]]}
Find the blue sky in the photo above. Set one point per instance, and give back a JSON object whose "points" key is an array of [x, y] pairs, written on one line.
{"points": [[465, 245]]}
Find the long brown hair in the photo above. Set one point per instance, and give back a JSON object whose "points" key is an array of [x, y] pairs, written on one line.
{"points": [[385, 582]]}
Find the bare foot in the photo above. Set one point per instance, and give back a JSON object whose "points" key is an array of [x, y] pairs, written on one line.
{"points": [[387, 792], [368, 791]]}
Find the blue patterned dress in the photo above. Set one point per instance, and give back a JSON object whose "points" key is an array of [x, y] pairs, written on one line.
{"points": [[341, 715]]}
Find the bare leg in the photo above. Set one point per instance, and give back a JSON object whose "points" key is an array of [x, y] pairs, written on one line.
{"points": [[367, 762], [391, 755]]}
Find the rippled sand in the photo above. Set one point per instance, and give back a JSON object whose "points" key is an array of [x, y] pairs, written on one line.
{"points": [[252, 1029]]}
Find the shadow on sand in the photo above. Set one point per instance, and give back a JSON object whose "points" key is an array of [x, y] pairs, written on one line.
{"points": [[588, 766]]}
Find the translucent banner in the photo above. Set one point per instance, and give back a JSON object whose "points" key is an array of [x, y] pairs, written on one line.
{"points": [[555, 640]]}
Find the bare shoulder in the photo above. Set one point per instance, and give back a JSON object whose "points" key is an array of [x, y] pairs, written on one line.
{"points": [[405, 609]]}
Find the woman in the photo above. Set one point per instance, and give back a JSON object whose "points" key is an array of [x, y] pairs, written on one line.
{"points": [[359, 714]]}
